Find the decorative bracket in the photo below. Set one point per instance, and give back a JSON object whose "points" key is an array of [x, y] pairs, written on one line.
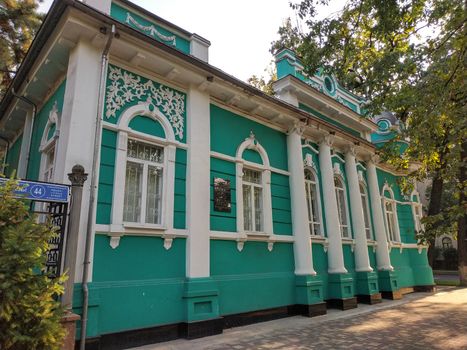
{"points": [[240, 244], [114, 241], [352, 245], [270, 246], [325, 245], [374, 247], [168, 240]]}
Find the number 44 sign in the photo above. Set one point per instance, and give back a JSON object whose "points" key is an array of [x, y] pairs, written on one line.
{"points": [[41, 191]]}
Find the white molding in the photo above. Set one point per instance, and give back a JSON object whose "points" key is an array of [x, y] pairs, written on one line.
{"points": [[338, 157], [124, 132], [252, 144], [242, 237], [228, 158]]}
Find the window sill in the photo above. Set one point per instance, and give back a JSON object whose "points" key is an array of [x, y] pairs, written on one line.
{"points": [[135, 225]]}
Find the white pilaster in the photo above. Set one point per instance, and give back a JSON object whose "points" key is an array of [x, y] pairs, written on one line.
{"points": [[198, 184], [382, 250], [335, 252], [99, 5], [362, 260], [301, 229], [199, 47], [78, 122], [23, 154], [289, 96]]}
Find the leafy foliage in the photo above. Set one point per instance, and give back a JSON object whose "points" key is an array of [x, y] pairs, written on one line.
{"points": [[19, 22], [29, 312]]}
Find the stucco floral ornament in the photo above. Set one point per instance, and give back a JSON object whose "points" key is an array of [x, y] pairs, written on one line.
{"points": [[126, 88]]}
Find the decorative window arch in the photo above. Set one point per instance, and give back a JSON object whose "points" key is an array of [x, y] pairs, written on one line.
{"points": [[446, 242], [342, 207], [254, 206], [390, 214], [366, 209], [313, 201], [417, 211], [144, 196], [48, 145]]}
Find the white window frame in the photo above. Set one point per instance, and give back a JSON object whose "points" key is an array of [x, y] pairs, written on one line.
{"points": [[252, 144], [365, 198], [346, 214], [417, 211], [48, 145], [308, 184], [252, 186], [168, 178], [395, 224], [144, 179]]}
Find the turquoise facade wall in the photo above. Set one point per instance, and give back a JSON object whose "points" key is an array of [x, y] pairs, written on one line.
{"points": [[12, 159], [139, 284], [253, 279], [149, 28], [39, 128]]}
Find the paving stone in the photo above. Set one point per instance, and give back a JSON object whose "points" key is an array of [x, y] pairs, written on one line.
{"points": [[420, 321]]}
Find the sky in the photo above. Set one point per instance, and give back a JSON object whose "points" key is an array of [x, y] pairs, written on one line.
{"points": [[240, 31]]}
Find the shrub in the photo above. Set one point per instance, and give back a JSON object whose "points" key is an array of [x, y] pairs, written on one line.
{"points": [[29, 311]]}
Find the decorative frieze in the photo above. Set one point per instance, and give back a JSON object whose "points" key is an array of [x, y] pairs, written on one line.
{"points": [[125, 88], [151, 30]]}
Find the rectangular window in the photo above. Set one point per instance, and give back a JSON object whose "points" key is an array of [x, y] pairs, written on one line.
{"points": [[340, 196], [143, 183], [49, 164], [366, 213], [252, 201], [312, 203], [390, 218]]}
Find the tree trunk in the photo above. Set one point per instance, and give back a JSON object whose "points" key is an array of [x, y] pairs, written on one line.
{"points": [[434, 208], [462, 223]]}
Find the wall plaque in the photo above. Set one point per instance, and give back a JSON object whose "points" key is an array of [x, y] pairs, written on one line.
{"points": [[222, 196]]}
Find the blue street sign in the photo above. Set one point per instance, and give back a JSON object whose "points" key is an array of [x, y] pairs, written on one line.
{"points": [[41, 191]]}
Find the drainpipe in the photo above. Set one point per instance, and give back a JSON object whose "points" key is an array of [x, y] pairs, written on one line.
{"points": [[34, 112], [6, 154], [92, 198]]}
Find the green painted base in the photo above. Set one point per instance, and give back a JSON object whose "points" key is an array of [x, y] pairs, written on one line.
{"points": [[201, 298], [388, 281], [367, 283], [340, 286], [308, 290]]}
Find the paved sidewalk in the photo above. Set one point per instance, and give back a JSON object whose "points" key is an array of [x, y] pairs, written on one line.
{"points": [[419, 321]]}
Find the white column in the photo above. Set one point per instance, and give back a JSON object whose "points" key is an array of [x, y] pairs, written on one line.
{"points": [[301, 229], [23, 154], [362, 260], [77, 127], [335, 252], [100, 5], [382, 250], [198, 184]]}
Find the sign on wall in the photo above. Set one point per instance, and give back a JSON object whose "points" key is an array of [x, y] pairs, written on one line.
{"points": [[41, 191], [222, 196]]}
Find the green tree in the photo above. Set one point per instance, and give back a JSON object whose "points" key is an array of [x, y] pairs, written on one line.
{"points": [[19, 22], [408, 57], [29, 312]]}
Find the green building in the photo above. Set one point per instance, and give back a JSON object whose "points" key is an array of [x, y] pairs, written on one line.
{"points": [[216, 205]]}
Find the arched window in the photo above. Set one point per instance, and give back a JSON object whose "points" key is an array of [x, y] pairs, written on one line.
{"points": [[342, 207], [312, 201], [366, 211], [254, 206], [417, 211], [144, 170], [48, 145], [390, 215], [447, 242]]}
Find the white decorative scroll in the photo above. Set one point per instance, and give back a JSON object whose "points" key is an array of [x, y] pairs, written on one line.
{"points": [[308, 162], [114, 241], [151, 29], [337, 169], [126, 87], [270, 246]]}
